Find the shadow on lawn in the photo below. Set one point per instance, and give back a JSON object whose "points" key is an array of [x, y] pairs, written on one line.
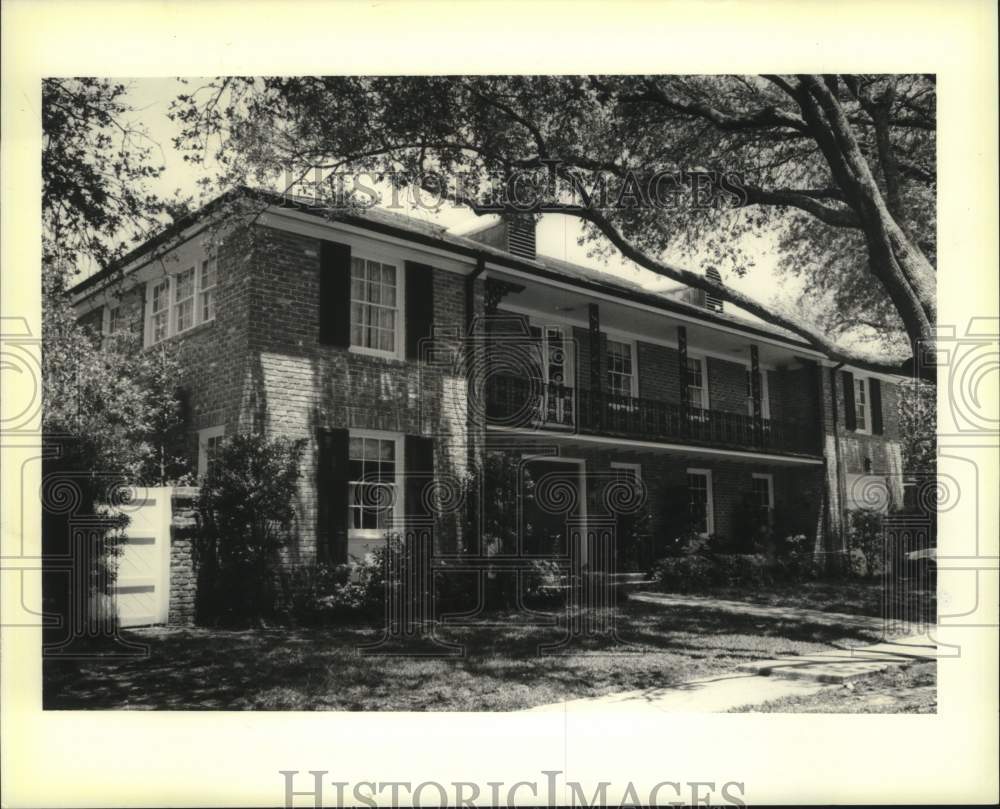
{"points": [[320, 668]]}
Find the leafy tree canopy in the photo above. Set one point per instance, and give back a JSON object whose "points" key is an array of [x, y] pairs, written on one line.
{"points": [[841, 168]]}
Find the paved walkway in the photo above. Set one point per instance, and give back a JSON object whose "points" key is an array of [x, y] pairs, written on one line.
{"points": [[761, 681]]}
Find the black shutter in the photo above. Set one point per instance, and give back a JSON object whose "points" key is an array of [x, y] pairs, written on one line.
{"points": [[334, 294], [875, 395], [850, 415], [331, 495], [418, 460], [419, 310]]}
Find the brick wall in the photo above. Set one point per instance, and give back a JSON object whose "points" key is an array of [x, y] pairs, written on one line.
{"points": [[295, 386], [659, 377], [727, 385], [183, 572], [798, 491]]}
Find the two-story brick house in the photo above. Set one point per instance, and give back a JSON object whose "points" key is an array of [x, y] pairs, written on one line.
{"points": [[401, 352]]}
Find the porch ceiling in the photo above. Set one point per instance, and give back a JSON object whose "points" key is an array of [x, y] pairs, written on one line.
{"points": [[571, 305]]}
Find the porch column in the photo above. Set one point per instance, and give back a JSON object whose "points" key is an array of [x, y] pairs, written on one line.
{"points": [[594, 319], [682, 362], [755, 394]]}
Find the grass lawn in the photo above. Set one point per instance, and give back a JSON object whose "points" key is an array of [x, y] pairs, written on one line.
{"points": [[322, 669], [849, 596], [909, 690]]}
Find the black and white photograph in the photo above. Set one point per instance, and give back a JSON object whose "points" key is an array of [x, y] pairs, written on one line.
{"points": [[566, 399]]}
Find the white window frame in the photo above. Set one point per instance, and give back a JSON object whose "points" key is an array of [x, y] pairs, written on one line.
{"points": [[175, 304], [634, 467], [168, 295], [862, 425], [710, 500], [398, 505], [108, 326], [634, 378], [219, 431], [201, 291], [400, 337], [196, 304], [703, 404]]}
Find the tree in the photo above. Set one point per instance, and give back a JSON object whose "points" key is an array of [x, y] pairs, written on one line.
{"points": [[111, 414], [247, 506], [918, 428], [841, 167]]}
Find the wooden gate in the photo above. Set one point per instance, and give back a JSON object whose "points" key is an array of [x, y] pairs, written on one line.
{"points": [[141, 589]]}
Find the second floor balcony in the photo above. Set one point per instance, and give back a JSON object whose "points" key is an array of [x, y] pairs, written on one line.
{"points": [[529, 404]]}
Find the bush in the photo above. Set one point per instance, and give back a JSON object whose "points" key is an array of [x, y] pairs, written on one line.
{"points": [[864, 542], [247, 514], [694, 573]]}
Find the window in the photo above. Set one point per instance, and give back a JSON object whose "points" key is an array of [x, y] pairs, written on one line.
{"points": [[116, 320], [181, 301], [209, 441], [696, 382], [206, 291], [160, 312], [373, 305], [372, 467], [700, 501], [763, 496], [861, 403], [629, 471], [620, 368], [184, 301]]}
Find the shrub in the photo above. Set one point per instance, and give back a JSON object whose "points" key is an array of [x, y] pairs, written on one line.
{"points": [[865, 539], [247, 514], [683, 574]]}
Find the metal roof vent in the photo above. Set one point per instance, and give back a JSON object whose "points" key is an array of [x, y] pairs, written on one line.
{"points": [[521, 236], [711, 301]]}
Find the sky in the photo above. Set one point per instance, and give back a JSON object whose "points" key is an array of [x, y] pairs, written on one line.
{"points": [[556, 236]]}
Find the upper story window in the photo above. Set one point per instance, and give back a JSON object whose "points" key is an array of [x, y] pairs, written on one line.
{"points": [[374, 306], [180, 302], [206, 290], [116, 320], [184, 301], [620, 368], [861, 400], [159, 311], [696, 382]]}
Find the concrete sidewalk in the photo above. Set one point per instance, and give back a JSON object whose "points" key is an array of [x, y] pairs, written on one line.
{"points": [[760, 681]]}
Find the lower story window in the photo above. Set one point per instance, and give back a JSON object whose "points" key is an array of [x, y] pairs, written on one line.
{"points": [[700, 501], [373, 462], [763, 495], [209, 441]]}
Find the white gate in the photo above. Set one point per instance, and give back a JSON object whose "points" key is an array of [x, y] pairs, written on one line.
{"points": [[141, 589]]}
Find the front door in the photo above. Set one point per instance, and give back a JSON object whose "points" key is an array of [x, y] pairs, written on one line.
{"points": [[554, 499]]}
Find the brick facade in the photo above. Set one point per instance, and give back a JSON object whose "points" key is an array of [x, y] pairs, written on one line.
{"points": [[260, 366]]}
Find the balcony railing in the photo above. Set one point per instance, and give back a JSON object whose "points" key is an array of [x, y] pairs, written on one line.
{"points": [[528, 403]]}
